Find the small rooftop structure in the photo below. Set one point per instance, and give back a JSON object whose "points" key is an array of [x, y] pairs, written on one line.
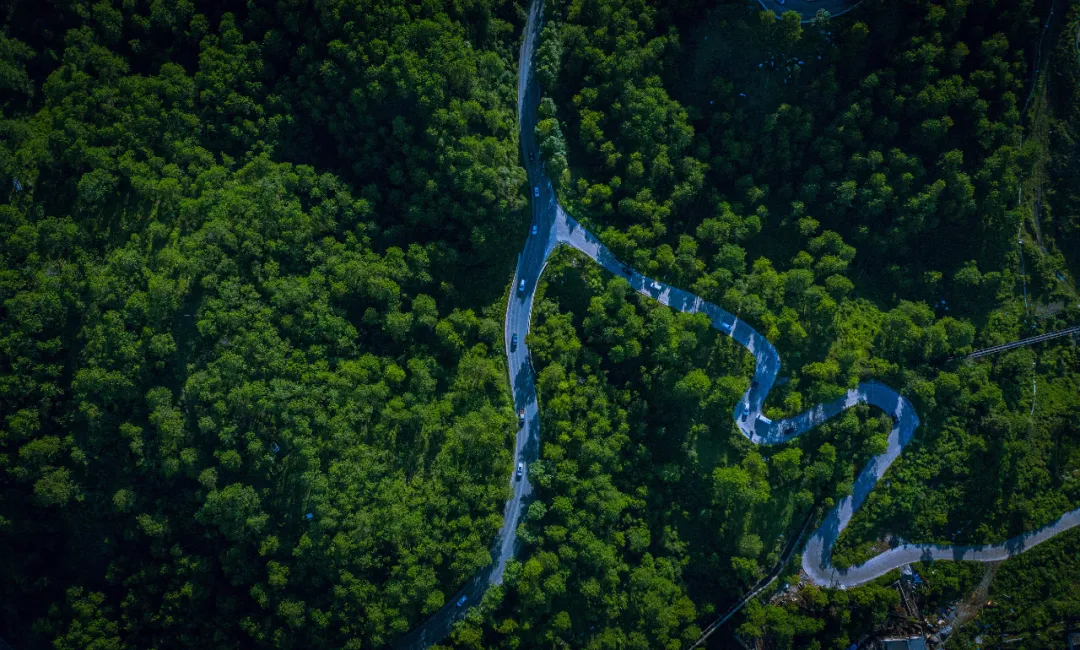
{"points": [[905, 643], [1074, 640]]}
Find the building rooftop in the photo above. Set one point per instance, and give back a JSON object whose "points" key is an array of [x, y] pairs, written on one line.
{"points": [[907, 643]]}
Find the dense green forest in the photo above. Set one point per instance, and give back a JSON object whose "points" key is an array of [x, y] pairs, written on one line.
{"points": [[252, 278], [247, 398]]}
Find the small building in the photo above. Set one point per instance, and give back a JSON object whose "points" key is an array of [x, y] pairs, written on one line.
{"points": [[1074, 641], [905, 643]]}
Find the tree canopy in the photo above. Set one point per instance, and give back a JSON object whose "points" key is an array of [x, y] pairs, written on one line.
{"points": [[253, 260]]}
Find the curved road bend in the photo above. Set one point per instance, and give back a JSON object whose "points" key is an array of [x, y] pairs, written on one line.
{"points": [[816, 557], [555, 227], [809, 8]]}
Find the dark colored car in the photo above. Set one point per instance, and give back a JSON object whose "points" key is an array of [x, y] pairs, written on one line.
{"points": [[513, 342], [521, 418], [627, 271], [532, 157]]}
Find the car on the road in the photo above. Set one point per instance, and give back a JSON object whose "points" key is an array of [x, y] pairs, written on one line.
{"points": [[521, 286], [536, 191], [513, 342], [745, 410], [753, 385], [532, 157], [534, 227], [725, 327], [627, 271], [780, 2], [521, 469], [461, 601], [521, 418]]}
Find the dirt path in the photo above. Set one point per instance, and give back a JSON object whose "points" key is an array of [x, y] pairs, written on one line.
{"points": [[969, 608]]}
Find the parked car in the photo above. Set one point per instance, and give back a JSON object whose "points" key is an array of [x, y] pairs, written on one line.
{"points": [[536, 191], [513, 342], [521, 286], [745, 410], [461, 601], [521, 469]]}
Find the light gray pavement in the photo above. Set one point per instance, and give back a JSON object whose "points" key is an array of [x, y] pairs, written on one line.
{"points": [[555, 227]]}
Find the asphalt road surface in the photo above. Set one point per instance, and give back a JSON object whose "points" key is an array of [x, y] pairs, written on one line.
{"points": [[531, 263], [555, 227]]}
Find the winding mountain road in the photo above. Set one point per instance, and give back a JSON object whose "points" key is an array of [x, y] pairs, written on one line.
{"points": [[555, 227]]}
